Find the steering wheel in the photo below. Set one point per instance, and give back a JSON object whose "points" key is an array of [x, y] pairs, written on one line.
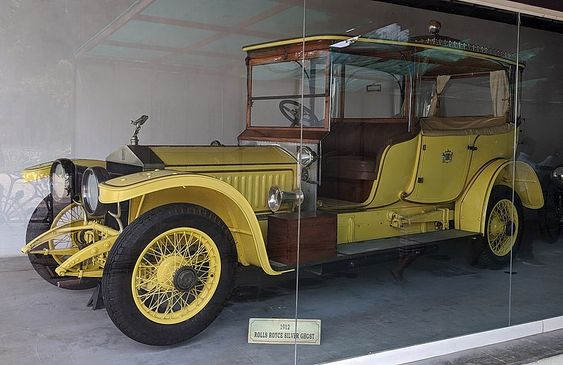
{"points": [[291, 110]]}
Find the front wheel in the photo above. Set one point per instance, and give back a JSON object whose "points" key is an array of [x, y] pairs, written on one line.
{"points": [[169, 273], [503, 227]]}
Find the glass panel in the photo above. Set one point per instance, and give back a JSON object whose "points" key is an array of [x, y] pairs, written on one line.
{"points": [[536, 267], [368, 180], [417, 124]]}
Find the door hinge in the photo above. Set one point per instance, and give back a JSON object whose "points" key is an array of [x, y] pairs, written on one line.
{"points": [[472, 148]]}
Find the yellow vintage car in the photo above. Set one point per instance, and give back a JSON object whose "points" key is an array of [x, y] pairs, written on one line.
{"points": [[371, 143]]}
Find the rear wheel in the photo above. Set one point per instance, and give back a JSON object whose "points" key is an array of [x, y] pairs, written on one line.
{"points": [[503, 228], [48, 215], [169, 273]]}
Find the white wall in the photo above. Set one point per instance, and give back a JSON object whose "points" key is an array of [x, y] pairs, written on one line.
{"points": [[37, 39], [184, 106], [51, 107]]}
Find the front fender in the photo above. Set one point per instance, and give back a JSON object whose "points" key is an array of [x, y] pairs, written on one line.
{"points": [[471, 208], [147, 190], [43, 170]]}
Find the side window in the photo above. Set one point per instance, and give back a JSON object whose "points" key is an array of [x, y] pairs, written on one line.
{"points": [[366, 87], [372, 94], [466, 96]]}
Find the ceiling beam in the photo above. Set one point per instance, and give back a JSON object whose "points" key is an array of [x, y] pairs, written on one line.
{"points": [[519, 7], [463, 7], [136, 45], [205, 26], [106, 32], [235, 29]]}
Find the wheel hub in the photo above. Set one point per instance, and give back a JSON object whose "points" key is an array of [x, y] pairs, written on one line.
{"points": [[185, 278], [497, 226], [166, 270]]}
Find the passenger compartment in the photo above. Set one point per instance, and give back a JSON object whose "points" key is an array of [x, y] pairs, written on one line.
{"points": [[351, 154]]}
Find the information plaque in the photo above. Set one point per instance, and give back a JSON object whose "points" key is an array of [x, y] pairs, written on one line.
{"points": [[282, 331]]}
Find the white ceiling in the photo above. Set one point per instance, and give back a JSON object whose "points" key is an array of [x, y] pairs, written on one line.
{"points": [[204, 33]]}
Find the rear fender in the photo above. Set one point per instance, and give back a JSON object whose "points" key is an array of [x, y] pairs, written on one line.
{"points": [[471, 208]]}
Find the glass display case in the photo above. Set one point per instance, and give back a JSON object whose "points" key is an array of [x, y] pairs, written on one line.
{"points": [[352, 176]]}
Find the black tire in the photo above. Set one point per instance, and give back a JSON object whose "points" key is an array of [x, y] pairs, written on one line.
{"points": [[550, 215], [45, 266], [487, 258], [118, 273]]}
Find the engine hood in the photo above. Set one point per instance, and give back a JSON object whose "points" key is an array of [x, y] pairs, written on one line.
{"points": [[198, 157]]}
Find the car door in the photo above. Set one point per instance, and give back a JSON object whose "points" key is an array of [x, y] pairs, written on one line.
{"points": [[443, 164]]}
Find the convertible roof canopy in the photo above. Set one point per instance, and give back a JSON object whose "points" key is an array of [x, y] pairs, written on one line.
{"points": [[440, 55]]}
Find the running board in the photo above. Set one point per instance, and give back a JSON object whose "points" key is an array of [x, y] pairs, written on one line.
{"points": [[406, 241], [346, 251]]}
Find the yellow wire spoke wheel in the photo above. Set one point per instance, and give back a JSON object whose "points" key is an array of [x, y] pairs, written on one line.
{"points": [[73, 214], [45, 265], [503, 227], [169, 273], [176, 275]]}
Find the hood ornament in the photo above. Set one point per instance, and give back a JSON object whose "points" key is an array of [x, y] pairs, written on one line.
{"points": [[138, 124]]}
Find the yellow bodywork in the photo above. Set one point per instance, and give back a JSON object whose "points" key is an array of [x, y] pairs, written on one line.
{"points": [[232, 182], [432, 176], [250, 170], [41, 171], [457, 171], [229, 158], [377, 223]]}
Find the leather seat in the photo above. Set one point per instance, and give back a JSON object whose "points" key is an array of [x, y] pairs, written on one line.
{"points": [[352, 153], [350, 167]]}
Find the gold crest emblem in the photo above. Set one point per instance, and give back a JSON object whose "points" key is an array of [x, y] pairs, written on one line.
{"points": [[447, 156]]}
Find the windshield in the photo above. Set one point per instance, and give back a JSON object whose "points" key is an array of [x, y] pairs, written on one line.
{"points": [[275, 99]]}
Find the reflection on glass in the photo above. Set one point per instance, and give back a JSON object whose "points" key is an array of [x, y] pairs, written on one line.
{"points": [[537, 260], [418, 152]]}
